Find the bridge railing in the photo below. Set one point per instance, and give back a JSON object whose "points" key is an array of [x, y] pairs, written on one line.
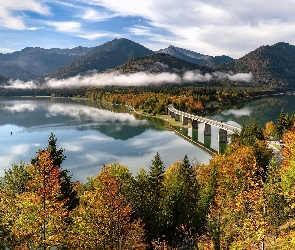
{"points": [[218, 124]]}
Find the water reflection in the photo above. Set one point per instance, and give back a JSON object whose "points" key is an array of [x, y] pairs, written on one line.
{"points": [[91, 136], [260, 111]]}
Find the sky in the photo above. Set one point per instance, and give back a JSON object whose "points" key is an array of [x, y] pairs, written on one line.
{"points": [[211, 27]]}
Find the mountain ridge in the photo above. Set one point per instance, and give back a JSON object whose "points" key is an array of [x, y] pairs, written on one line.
{"points": [[159, 63], [101, 58], [34, 62], [272, 65], [195, 57]]}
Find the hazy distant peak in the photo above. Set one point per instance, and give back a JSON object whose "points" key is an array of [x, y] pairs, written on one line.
{"points": [[194, 57]]}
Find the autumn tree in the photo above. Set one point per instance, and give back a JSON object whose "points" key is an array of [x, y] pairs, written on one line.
{"points": [[252, 136], [9, 212], [237, 218], [42, 211], [270, 130], [103, 219], [67, 186]]}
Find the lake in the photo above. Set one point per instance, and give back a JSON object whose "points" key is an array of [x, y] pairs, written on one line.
{"points": [[91, 136], [96, 133]]}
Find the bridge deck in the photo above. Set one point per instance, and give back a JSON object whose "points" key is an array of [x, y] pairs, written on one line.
{"points": [[222, 125]]}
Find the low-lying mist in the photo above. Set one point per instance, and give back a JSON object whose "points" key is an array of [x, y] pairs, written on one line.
{"points": [[134, 79]]}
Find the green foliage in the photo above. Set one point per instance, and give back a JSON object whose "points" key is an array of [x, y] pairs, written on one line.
{"points": [[16, 178], [250, 134], [148, 200], [253, 136], [182, 204], [284, 123], [240, 200], [270, 65]]}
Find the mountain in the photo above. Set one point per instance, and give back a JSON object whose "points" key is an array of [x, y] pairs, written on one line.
{"points": [[157, 63], [3, 80], [195, 57], [101, 58], [31, 63], [270, 65]]}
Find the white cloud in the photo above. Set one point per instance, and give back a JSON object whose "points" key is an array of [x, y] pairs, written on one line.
{"points": [[92, 35], [191, 76], [6, 50], [135, 79], [35, 28], [246, 77], [81, 113], [18, 84], [211, 27], [18, 108], [91, 14], [9, 19], [70, 27], [238, 112]]}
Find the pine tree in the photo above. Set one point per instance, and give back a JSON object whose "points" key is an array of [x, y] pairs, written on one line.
{"points": [[156, 194]]}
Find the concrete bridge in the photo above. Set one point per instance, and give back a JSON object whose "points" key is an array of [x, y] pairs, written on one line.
{"points": [[195, 119]]}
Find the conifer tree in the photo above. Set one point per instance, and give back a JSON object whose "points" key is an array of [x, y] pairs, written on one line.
{"points": [[156, 194], [182, 204]]}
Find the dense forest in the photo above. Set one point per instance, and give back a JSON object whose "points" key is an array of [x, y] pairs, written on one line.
{"points": [[154, 99], [242, 199]]}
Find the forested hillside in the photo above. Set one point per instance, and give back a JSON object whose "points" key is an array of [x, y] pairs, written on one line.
{"points": [[103, 57], [242, 199], [194, 57], [270, 65], [157, 63], [31, 63]]}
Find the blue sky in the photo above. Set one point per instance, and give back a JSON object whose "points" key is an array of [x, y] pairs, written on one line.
{"points": [[212, 27]]}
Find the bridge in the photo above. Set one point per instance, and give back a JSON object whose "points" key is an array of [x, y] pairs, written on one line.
{"points": [[184, 117]]}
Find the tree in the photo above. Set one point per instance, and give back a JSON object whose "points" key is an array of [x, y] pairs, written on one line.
{"points": [[9, 212], [67, 186], [253, 136], [103, 219], [156, 194], [16, 178], [284, 123], [270, 130], [184, 222], [41, 222], [147, 199], [236, 219], [250, 134]]}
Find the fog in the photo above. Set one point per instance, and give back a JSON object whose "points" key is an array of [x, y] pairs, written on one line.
{"points": [[135, 79]]}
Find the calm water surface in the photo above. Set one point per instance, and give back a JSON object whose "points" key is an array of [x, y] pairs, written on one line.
{"points": [[91, 136]]}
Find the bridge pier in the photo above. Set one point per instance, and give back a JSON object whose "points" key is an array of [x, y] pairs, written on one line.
{"points": [[195, 124], [195, 135], [207, 141], [172, 114], [222, 135], [222, 147], [169, 112], [184, 120], [207, 130]]}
